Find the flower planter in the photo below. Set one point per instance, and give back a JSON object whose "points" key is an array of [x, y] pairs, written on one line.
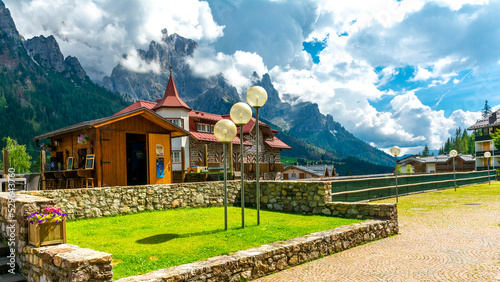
{"points": [[47, 233]]}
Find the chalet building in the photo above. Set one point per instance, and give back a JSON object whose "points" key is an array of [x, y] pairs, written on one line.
{"points": [[484, 142], [201, 148], [309, 171], [439, 163], [131, 148]]}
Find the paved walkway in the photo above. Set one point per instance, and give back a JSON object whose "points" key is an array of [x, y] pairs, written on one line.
{"points": [[459, 242]]}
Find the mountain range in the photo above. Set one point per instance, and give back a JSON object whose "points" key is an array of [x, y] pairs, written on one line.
{"points": [[45, 91]]}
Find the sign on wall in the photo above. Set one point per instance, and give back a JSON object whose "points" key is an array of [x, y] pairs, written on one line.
{"points": [[159, 150]]}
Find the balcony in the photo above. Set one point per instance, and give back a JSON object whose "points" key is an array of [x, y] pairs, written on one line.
{"points": [[483, 138], [480, 154]]}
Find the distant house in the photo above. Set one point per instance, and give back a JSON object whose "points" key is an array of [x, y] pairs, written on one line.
{"points": [[484, 142], [439, 163], [201, 148], [309, 171]]}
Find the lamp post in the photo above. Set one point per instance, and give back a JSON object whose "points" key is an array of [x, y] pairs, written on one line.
{"points": [[241, 113], [487, 155], [225, 131], [453, 154], [395, 152], [257, 97]]}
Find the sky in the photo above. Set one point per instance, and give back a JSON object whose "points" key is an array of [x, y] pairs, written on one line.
{"points": [[404, 73]]}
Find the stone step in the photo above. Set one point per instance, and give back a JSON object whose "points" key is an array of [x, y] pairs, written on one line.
{"points": [[12, 278]]}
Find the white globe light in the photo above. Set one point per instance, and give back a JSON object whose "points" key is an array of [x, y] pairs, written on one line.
{"points": [[225, 130], [395, 151], [256, 96], [453, 153], [487, 154], [241, 113]]}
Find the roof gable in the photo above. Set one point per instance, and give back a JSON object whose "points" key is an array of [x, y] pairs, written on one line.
{"points": [[171, 98]]}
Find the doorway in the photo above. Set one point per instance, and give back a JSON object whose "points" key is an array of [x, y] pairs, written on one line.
{"points": [[137, 169]]}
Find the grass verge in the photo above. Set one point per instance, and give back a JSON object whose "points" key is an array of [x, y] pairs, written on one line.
{"points": [[148, 241]]}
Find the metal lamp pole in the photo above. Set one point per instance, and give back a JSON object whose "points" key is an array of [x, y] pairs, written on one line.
{"points": [[453, 154], [395, 152], [257, 97], [241, 113], [225, 131], [487, 155]]}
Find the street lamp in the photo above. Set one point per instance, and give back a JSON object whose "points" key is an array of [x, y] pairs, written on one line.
{"points": [[241, 113], [487, 155], [395, 152], [453, 154], [225, 131], [257, 97]]}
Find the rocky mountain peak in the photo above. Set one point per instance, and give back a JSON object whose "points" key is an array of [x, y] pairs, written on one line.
{"points": [[46, 52]]}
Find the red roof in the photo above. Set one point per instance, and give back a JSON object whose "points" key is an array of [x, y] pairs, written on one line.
{"points": [[276, 143], [171, 98], [210, 137], [205, 116], [136, 105]]}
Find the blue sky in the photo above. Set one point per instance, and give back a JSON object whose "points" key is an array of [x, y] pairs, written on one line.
{"points": [[403, 73]]}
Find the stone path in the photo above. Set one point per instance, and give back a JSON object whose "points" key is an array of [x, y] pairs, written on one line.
{"points": [[458, 243]]}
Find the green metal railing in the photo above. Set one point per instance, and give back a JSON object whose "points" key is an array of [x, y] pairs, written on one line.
{"points": [[353, 190]]}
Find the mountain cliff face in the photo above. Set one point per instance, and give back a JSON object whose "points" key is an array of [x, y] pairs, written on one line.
{"points": [[303, 126], [212, 95], [46, 52], [41, 91]]}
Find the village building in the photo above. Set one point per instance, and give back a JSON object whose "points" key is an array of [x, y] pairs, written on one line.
{"points": [[308, 171], [201, 148], [131, 148], [439, 163], [484, 142]]}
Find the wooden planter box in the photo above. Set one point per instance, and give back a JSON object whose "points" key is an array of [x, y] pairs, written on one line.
{"points": [[48, 233]]}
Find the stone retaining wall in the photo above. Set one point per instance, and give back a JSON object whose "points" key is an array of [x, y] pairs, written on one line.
{"points": [[54, 263], [266, 259]]}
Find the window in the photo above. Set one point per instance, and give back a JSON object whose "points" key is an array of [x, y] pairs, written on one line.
{"points": [[176, 121], [294, 174], [201, 127], [176, 157]]}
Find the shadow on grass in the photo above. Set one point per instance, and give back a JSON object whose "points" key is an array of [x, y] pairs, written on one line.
{"points": [[161, 238]]}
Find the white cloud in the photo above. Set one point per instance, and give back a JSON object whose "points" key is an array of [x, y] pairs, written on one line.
{"points": [[134, 62], [99, 32]]}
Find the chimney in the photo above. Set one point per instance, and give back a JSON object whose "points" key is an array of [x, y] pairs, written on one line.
{"points": [[493, 118]]}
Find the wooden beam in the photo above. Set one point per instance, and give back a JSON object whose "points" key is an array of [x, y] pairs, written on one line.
{"points": [[205, 155], [5, 162], [183, 163], [98, 157], [42, 168]]}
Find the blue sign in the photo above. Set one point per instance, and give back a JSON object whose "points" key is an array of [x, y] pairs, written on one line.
{"points": [[160, 167]]}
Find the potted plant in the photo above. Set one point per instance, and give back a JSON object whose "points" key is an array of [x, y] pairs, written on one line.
{"points": [[82, 139], [47, 228]]}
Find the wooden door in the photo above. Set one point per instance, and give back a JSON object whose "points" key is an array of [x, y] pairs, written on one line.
{"points": [[302, 175], [486, 146], [285, 176], [159, 141], [113, 158]]}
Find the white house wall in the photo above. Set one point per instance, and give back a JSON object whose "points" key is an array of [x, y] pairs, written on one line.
{"points": [[178, 143]]}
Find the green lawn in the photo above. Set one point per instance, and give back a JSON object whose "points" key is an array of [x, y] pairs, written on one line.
{"points": [[147, 241]]}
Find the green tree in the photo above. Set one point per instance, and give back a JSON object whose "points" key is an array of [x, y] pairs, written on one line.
{"points": [[486, 110], [496, 138], [409, 169], [426, 152], [18, 158]]}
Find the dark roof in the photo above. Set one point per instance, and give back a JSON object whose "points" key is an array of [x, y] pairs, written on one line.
{"points": [[491, 120], [96, 122], [317, 170], [436, 159]]}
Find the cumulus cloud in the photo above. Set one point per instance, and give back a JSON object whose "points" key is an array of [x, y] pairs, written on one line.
{"points": [[99, 32]]}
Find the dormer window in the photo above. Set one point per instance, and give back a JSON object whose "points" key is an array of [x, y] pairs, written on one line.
{"points": [[202, 127], [176, 121]]}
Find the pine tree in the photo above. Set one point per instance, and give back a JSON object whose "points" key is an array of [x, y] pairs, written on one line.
{"points": [[426, 152], [487, 109]]}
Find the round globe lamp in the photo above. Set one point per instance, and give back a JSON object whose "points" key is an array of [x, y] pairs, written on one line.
{"points": [[395, 151], [453, 154], [487, 155], [240, 114], [225, 131], [257, 97]]}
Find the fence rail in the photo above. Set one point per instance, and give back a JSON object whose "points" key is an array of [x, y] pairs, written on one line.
{"points": [[353, 190]]}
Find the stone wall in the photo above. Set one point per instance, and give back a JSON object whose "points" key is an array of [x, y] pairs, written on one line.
{"points": [[266, 259], [54, 263], [98, 202]]}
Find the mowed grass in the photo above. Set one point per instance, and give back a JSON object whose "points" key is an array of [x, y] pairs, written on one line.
{"points": [[148, 241], [449, 199]]}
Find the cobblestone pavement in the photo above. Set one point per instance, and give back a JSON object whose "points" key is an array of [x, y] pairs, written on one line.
{"points": [[457, 242]]}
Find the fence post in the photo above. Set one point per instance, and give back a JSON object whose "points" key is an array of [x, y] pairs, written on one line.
{"points": [[6, 161]]}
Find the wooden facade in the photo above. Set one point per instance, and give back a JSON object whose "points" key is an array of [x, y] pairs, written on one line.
{"points": [[129, 149]]}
